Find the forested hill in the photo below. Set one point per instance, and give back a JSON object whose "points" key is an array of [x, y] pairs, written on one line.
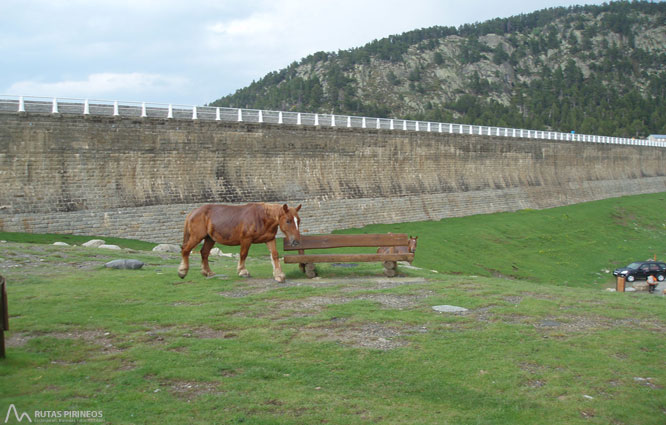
{"points": [[592, 69]]}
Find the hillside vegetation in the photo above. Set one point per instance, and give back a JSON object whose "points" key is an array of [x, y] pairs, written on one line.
{"points": [[592, 69]]}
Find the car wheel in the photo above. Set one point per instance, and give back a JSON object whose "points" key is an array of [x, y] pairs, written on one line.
{"points": [[630, 278], [660, 277]]}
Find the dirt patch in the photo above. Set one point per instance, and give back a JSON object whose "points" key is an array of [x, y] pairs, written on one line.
{"points": [[319, 303], [364, 335], [97, 337], [187, 390]]}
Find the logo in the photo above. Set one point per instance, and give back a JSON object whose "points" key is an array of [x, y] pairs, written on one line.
{"points": [[41, 416], [18, 418]]}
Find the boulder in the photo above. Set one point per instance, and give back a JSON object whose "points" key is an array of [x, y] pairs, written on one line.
{"points": [[449, 309], [61, 244], [218, 252], [124, 264], [114, 247], [94, 243], [166, 247]]}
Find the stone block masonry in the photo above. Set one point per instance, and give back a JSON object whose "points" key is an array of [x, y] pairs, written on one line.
{"points": [[138, 178]]}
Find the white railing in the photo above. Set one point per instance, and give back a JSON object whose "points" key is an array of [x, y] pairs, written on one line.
{"points": [[71, 106]]}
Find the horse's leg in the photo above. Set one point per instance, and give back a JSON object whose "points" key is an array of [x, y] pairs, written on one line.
{"points": [[244, 249], [192, 235], [275, 259], [205, 250], [188, 245]]}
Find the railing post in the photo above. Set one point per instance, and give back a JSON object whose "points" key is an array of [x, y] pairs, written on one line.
{"points": [[348, 121], [363, 123], [378, 124], [115, 108], [332, 120], [143, 110], [21, 107], [261, 116], [86, 108], [54, 106], [316, 123], [416, 126], [240, 115], [217, 114], [280, 121], [392, 125], [170, 112], [404, 125], [298, 119], [429, 127], [194, 113]]}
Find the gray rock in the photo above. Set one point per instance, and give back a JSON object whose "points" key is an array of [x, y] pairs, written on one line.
{"points": [[94, 243], [449, 309], [218, 252], [61, 244], [124, 264], [166, 247], [114, 247]]}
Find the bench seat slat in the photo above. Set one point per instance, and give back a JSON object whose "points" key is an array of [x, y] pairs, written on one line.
{"points": [[346, 258], [341, 241]]}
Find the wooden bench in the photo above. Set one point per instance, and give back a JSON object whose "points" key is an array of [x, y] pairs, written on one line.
{"points": [[307, 261]]}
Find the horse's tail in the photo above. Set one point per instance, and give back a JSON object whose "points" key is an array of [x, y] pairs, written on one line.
{"points": [[186, 231]]}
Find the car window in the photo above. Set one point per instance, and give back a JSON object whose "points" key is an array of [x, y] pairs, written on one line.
{"points": [[644, 267], [634, 265]]}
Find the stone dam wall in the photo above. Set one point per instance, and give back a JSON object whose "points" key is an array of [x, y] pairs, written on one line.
{"points": [[138, 178]]}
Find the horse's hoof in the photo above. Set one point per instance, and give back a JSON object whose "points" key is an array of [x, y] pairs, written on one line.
{"points": [[244, 273], [207, 274], [280, 278], [182, 274]]}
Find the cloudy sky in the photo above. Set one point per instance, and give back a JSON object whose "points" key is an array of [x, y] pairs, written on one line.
{"points": [[193, 52]]}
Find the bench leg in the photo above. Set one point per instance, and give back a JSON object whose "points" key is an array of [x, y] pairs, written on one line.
{"points": [[310, 270], [390, 268]]}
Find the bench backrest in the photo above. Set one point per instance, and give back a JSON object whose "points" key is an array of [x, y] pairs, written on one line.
{"points": [[341, 241]]}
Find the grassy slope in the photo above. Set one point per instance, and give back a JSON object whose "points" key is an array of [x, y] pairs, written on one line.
{"points": [[571, 245]]}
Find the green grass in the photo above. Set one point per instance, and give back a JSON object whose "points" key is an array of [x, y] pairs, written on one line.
{"points": [[574, 246], [50, 238], [349, 348]]}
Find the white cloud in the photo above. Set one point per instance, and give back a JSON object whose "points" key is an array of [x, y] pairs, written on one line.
{"points": [[102, 84]]}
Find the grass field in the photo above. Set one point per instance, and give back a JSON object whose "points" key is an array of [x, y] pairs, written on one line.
{"points": [[541, 343]]}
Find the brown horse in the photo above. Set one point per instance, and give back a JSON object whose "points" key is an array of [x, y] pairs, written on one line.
{"points": [[238, 225], [410, 248]]}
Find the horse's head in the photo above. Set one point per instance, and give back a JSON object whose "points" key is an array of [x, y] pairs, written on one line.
{"points": [[289, 224], [411, 245]]}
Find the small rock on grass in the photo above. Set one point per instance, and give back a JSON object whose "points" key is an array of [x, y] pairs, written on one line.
{"points": [[124, 264], [449, 309], [166, 247], [114, 247], [94, 243]]}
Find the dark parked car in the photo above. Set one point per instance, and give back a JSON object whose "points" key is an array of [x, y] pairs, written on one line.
{"points": [[641, 270]]}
